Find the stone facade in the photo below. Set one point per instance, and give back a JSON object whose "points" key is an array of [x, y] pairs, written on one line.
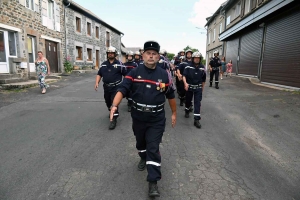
{"points": [[24, 21], [81, 39]]}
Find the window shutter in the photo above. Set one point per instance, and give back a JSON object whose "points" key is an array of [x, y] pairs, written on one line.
{"points": [[253, 4], [22, 2], [242, 8], [57, 16], [259, 2], [44, 12], [36, 6]]}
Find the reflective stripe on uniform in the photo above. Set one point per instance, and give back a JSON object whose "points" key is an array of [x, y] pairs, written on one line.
{"points": [[153, 163], [146, 81], [141, 151], [197, 114]]}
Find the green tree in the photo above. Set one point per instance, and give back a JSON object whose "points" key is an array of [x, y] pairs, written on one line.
{"points": [[188, 47], [170, 56]]}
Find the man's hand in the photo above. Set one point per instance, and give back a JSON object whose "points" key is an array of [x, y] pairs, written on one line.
{"points": [[173, 120], [113, 109], [180, 77], [186, 86], [96, 86]]}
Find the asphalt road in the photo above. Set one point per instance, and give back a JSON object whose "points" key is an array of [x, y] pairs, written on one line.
{"points": [[58, 146]]}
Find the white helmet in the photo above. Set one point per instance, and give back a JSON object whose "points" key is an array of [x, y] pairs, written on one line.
{"points": [[111, 49], [197, 54], [188, 50], [137, 53], [216, 51], [181, 51], [129, 53], [181, 57]]}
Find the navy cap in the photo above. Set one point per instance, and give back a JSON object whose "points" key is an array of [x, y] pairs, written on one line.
{"points": [[151, 45]]}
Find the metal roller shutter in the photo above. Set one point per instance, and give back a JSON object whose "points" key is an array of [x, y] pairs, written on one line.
{"points": [[232, 52], [281, 61], [250, 46]]}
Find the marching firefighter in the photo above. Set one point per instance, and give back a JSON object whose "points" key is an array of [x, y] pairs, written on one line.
{"points": [[111, 73], [194, 77], [137, 57], [214, 67], [130, 65], [150, 86], [187, 61]]}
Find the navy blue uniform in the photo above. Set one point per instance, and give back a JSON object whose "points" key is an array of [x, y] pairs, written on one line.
{"points": [[215, 64], [163, 63], [111, 74], [180, 85], [130, 65], [150, 88], [195, 76]]}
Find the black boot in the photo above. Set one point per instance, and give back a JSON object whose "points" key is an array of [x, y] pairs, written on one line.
{"points": [[113, 124], [142, 165], [187, 114], [210, 84], [181, 102], [197, 123], [217, 85], [129, 108], [153, 189]]}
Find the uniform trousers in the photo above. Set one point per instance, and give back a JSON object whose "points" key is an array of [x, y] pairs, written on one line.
{"points": [[148, 136], [197, 94], [109, 95], [212, 73]]}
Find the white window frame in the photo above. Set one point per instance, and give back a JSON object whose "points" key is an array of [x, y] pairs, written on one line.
{"points": [[97, 25], [214, 34], [249, 4], [209, 38], [76, 15], [15, 38], [228, 20], [48, 10], [220, 28], [31, 4]]}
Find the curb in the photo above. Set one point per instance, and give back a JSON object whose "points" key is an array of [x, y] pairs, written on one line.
{"points": [[23, 85]]}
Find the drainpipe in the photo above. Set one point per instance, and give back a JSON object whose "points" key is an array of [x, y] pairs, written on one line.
{"points": [[66, 4]]}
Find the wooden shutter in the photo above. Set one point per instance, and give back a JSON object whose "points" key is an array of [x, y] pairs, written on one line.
{"points": [[57, 16], [259, 2], [242, 8], [253, 4]]}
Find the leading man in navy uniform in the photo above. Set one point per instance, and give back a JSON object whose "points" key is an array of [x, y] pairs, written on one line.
{"points": [[150, 86], [111, 73]]}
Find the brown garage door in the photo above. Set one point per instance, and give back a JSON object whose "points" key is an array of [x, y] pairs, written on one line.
{"points": [[281, 61], [51, 55], [250, 47], [232, 52]]}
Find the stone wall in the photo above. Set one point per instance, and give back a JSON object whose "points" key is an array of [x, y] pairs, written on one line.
{"points": [[14, 14], [74, 38]]}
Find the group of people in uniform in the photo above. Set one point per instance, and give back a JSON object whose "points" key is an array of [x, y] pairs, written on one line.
{"points": [[146, 81]]}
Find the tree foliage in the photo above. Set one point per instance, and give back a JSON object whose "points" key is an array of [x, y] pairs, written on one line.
{"points": [[170, 56], [188, 47]]}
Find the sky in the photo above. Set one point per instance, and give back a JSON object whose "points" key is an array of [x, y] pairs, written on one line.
{"points": [[172, 23]]}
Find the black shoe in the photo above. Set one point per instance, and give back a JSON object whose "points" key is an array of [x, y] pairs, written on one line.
{"points": [[129, 108], [197, 123], [153, 190], [181, 102], [142, 165], [187, 115], [113, 124], [210, 85], [217, 87], [191, 109]]}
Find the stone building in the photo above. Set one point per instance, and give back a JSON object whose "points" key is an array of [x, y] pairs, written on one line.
{"points": [[87, 37], [26, 27]]}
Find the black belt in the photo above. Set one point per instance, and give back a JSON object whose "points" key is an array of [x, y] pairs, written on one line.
{"points": [[113, 84], [195, 86], [148, 108]]}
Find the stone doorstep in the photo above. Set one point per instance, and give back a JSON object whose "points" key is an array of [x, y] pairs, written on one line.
{"points": [[25, 84]]}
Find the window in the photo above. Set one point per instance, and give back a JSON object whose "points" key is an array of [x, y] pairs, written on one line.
{"points": [[88, 27], [228, 20], [89, 54], [248, 4], [214, 34], [208, 38], [29, 4], [237, 11], [97, 32], [221, 28], [2, 47], [107, 39], [78, 53], [50, 9], [31, 48], [12, 43], [78, 24]]}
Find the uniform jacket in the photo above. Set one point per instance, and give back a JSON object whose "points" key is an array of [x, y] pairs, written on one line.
{"points": [[215, 63], [195, 75], [130, 65], [149, 87]]}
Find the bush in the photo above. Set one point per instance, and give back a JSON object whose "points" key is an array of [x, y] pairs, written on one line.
{"points": [[68, 65]]}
